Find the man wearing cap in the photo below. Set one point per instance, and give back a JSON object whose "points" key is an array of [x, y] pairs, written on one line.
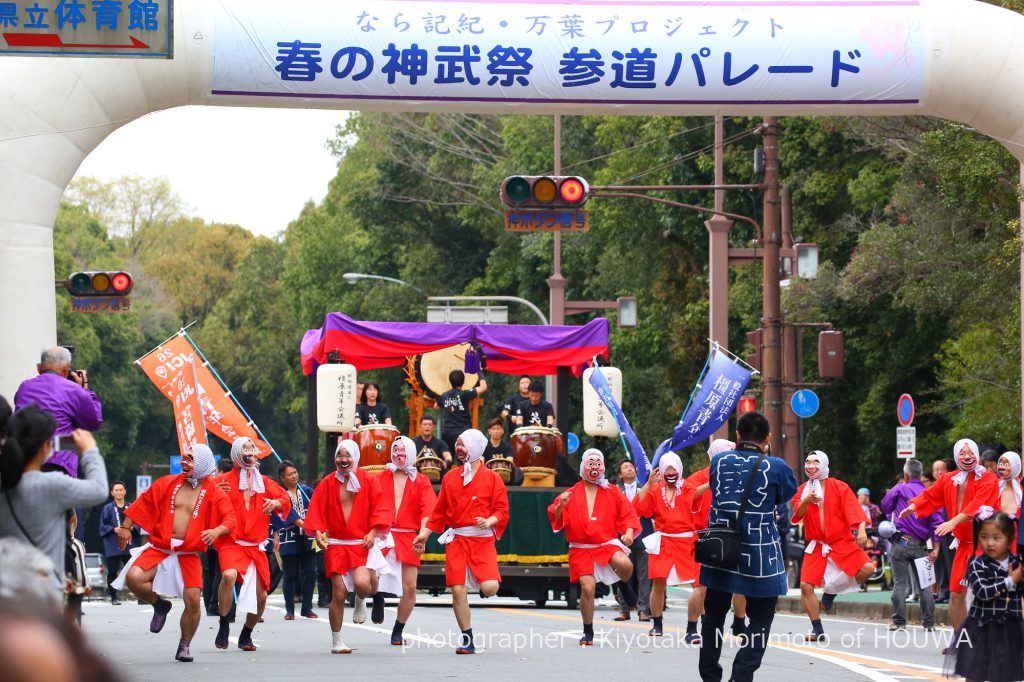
{"points": [[183, 514], [473, 506], [348, 514], [242, 555], [410, 494], [960, 493], [914, 538], [871, 509], [829, 509], [599, 523]]}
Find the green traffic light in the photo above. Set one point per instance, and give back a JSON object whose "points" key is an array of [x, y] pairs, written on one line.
{"points": [[79, 284], [518, 189]]}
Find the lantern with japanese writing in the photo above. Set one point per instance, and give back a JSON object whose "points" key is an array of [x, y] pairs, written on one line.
{"points": [[336, 398], [597, 418]]}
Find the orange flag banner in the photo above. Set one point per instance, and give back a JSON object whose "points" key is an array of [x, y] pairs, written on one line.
{"points": [[219, 412]]}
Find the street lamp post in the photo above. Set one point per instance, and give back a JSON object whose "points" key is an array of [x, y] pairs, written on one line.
{"points": [[353, 277]]}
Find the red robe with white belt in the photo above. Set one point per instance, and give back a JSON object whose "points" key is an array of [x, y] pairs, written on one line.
{"points": [[253, 526], [833, 540], [675, 553], [417, 503], [370, 509], [613, 515]]}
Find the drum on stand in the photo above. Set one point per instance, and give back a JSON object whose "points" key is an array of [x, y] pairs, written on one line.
{"points": [[430, 466], [535, 450], [432, 370], [374, 441], [501, 466]]}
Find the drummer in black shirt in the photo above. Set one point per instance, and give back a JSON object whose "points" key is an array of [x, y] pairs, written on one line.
{"points": [[455, 404], [429, 445], [369, 410], [496, 445], [512, 404], [536, 411]]}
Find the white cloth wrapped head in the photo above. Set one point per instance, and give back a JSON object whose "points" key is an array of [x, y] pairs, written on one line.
{"points": [[203, 463], [968, 460], [249, 477], [348, 476], [403, 444], [720, 445], [1013, 459], [595, 472], [475, 442], [670, 460], [814, 484]]}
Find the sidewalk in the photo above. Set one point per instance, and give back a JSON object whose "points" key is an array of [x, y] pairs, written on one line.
{"points": [[871, 605]]}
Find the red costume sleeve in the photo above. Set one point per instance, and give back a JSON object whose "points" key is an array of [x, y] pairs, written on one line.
{"points": [[223, 510], [439, 515], [850, 507], [427, 497], [276, 492], [316, 514], [626, 517], [145, 511], [986, 493], [797, 518], [499, 505], [646, 508], [934, 498], [557, 523]]}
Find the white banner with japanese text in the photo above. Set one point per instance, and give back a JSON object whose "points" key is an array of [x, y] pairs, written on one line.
{"points": [[663, 53]]}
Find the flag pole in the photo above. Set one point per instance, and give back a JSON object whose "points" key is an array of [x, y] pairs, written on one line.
{"points": [[700, 379], [228, 393], [161, 344], [736, 358]]}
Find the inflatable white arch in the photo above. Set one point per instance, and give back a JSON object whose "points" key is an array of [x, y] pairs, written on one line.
{"points": [[954, 59]]}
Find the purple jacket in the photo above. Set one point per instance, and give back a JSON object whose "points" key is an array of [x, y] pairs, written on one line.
{"points": [[71, 405], [919, 528]]}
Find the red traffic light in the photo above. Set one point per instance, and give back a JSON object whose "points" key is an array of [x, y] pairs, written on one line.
{"points": [[747, 404], [100, 283], [544, 192]]}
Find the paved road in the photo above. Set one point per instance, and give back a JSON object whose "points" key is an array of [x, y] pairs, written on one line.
{"points": [[518, 642]]}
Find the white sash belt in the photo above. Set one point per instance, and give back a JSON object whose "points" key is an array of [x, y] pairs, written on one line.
{"points": [[954, 544], [168, 578], [653, 541], [825, 548], [466, 532], [375, 560], [602, 572]]}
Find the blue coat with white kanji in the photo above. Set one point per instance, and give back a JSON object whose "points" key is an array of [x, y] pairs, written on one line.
{"points": [[761, 571]]}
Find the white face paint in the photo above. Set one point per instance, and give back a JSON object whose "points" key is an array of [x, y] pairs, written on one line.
{"points": [[343, 460], [812, 467]]}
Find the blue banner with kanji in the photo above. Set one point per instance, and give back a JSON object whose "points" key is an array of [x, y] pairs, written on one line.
{"points": [[604, 392], [719, 392]]}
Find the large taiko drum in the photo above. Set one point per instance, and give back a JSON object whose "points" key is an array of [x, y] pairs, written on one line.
{"points": [[536, 449], [501, 466], [432, 370], [374, 441]]}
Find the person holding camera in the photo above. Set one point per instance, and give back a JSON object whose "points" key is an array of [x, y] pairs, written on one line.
{"points": [[760, 573], [65, 394], [33, 503], [914, 538]]}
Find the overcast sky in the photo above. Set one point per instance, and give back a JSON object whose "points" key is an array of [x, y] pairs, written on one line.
{"points": [[252, 167]]}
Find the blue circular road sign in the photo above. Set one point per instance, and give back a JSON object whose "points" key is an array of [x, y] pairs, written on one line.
{"points": [[905, 410], [572, 442], [804, 403]]}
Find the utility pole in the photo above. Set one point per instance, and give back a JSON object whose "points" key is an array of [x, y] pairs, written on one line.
{"points": [[791, 374], [718, 257], [556, 288], [771, 313]]}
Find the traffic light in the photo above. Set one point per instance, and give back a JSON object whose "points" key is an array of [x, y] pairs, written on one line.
{"points": [[748, 403], [100, 283], [544, 192], [754, 339]]}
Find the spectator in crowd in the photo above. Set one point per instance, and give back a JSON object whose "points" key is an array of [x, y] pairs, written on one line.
{"points": [[638, 596], [26, 574], [110, 518], [871, 509], [760, 575], [34, 504], [64, 394], [990, 459], [910, 544], [296, 549], [927, 479]]}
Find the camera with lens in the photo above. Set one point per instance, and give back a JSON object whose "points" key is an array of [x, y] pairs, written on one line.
{"points": [[79, 376]]}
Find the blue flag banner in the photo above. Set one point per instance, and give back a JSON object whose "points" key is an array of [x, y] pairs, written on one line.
{"points": [[604, 392], [716, 396]]}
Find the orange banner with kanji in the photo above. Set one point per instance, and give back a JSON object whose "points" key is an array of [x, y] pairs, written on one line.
{"points": [[220, 414]]}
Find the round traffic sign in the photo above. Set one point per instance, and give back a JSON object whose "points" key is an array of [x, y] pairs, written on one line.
{"points": [[905, 410], [804, 403], [572, 442]]}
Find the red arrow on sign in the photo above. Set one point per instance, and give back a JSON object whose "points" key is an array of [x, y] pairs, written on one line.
{"points": [[54, 40]]}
